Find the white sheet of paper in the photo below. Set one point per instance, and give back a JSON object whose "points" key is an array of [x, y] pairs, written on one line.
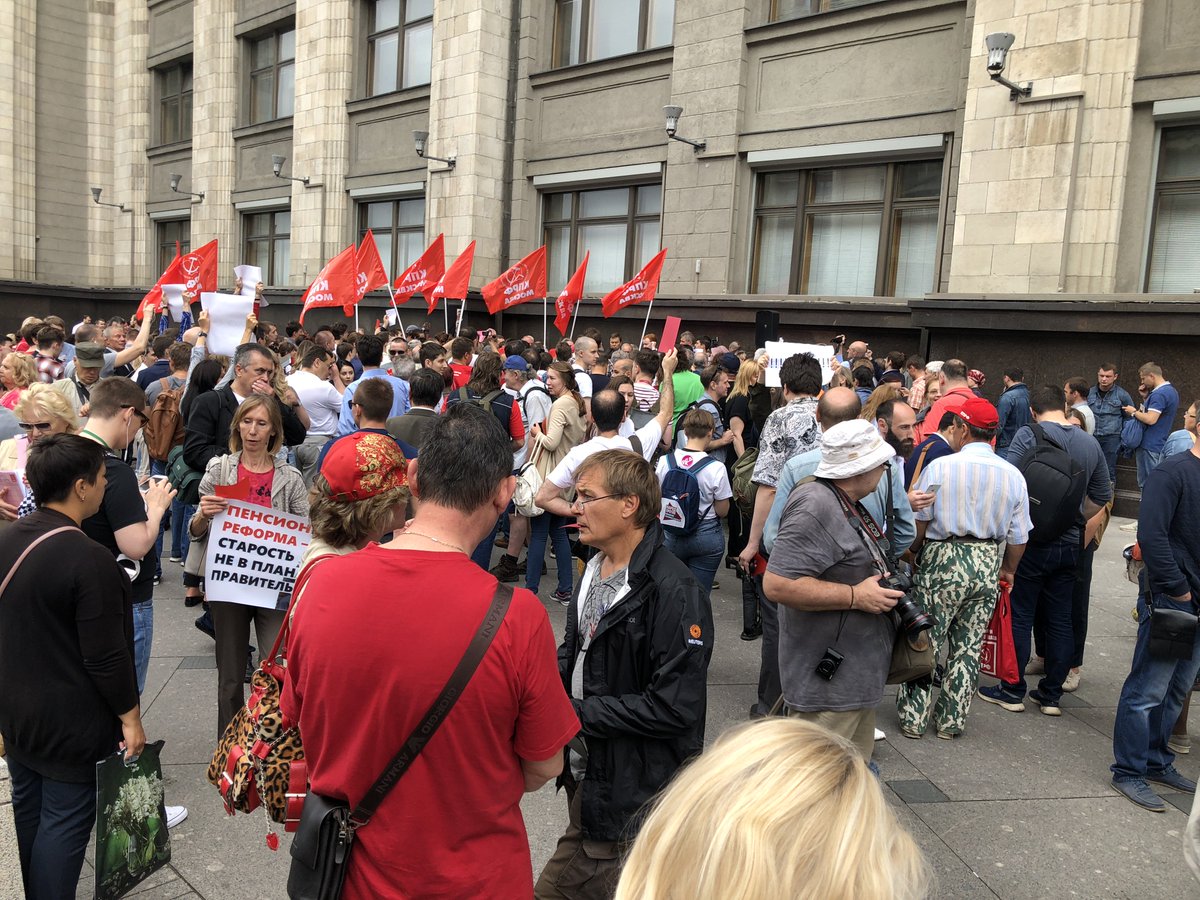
{"points": [[391, 317], [251, 276], [173, 293], [226, 320], [778, 351]]}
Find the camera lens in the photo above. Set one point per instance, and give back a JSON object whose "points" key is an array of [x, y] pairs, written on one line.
{"points": [[913, 619]]}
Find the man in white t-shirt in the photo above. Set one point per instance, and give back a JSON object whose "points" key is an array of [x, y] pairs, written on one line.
{"points": [[319, 387], [586, 353], [608, 411]]}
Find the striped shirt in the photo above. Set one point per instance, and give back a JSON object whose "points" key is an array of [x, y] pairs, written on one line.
{"points": [[645, 395], [981, 496]]}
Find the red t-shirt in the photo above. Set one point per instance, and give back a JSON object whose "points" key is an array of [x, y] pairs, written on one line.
{"points": [[462, 374], [364, 665], [951, 401], [260, 485]]}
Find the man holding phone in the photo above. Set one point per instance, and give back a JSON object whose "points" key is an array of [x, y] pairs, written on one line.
{"points": [[980, 501]]}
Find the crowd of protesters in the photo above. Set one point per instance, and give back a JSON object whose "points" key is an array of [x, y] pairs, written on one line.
{"points": [[435, 468]]}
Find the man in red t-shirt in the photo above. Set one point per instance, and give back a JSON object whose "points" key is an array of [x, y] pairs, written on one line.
{"points": [[460, 361], [364, 664], [955, 392]]}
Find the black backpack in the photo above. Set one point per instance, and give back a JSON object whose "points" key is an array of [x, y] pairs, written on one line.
{"points": [[1056, 485]]}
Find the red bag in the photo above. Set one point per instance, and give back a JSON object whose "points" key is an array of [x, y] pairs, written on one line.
{"points": [[998, 655]]}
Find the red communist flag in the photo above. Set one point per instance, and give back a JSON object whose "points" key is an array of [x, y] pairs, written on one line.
{"points": [[371, 273], [640, 289], [564, 304], [196, 270], [521, 283], [454, 283], [335, 284], [421, 276]]}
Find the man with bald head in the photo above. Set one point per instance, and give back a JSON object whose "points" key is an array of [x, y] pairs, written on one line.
{"points": [[586, 352], [955, 392]]}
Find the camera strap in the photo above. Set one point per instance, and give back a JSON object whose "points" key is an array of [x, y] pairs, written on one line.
{"points": [[865, 526]]}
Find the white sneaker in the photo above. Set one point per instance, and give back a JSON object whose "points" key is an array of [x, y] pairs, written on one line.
{"points": [[879, 735], [1035, 666], [175, 815], [1071, 682], [1130, 527]]}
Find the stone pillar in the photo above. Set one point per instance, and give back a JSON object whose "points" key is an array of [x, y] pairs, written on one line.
{"points": [[131, 115], [320, 133], [104, 223], [466, 119], [216, 65], [699, 211], [18, 164], [1042, 180]]}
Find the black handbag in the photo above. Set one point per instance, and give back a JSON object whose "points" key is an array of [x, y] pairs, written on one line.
{"points": [[325, 835], [1172, 633]]}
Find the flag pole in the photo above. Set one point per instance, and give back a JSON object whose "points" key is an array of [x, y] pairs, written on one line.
{"points": [[575, 317], [545, 333], [392, 295], [462, 315], [646, 324], [446, 314], [356, 328]]}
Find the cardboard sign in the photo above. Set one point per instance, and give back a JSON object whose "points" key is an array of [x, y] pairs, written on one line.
{"points": [[253, 555], [778, 351]]}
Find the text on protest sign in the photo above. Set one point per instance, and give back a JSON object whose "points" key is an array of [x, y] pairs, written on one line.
{"points": [[778, 351], [253, 555]]}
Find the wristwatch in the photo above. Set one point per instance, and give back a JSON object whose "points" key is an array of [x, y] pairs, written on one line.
{"points": [[203, 334]]}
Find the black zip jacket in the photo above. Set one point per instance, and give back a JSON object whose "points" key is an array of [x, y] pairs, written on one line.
{"points": [[644, 688], [210, 418]]}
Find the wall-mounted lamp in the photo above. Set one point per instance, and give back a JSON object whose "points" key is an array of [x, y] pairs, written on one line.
{"points": [[175, 179], [420, 139], [673, 113], [277, 162], [96, 197], [997, 44]]}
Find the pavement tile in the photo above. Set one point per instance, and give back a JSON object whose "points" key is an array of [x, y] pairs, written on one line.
{"points": [[917, 790], [953, 879], [198, 662]]}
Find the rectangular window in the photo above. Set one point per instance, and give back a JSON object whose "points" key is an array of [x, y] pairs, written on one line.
{"points": [[267, 244], [168, 232], [858, 231], [399, 229], [174, 103], [1175, 230], [273, 76], [399, 45], [598, 29], [794, 9], [620, 227]]}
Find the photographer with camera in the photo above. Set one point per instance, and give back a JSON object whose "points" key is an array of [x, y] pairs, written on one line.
{"points": [[829, 572]]}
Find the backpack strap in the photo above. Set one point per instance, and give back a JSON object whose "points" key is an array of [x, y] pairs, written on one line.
{"points": [[164, 384], [463, 394], [920, 464], [635, 443]]}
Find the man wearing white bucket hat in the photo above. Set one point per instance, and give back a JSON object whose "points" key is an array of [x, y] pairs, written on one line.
{"points": [[836, 629]]}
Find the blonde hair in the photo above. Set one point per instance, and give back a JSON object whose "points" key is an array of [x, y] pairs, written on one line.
{"points": [[273, 416], [776, 808], [51, 403], [24, 370], [349, 523], [841, 378], [879, 396], [746, 376]]}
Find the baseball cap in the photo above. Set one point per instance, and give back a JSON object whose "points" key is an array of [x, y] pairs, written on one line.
{"points": [[517, 363], [978, 412], [892, 377], [89, 355], [362, 465], [729, 362]]}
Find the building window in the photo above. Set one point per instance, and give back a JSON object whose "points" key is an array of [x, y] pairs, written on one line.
{"points": [[860, 231], [268, 244], [794, 9], [620, 227], [273, 76], [400, 44], [173, 234], [597, 29], [174, 103], [399, 229], [1175, 231]]}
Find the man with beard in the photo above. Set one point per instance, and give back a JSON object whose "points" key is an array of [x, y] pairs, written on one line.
{"points": [[895, 420]]}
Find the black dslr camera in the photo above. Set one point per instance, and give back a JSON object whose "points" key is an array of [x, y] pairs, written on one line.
{"points": [[913, 619]]}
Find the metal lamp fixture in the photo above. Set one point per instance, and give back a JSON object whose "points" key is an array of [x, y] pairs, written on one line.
{"points": [[673, 113], [277, 162], [998, 43], [96, 197], [175, 179], [420, 141]]}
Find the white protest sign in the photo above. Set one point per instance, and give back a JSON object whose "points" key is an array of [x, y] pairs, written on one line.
{"points": [[391, 317], [253, 555], [226, 320], [251, 276], [778, 351], [173, 294]]}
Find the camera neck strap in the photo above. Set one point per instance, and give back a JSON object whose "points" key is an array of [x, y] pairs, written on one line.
{"points": [[865, 526]]}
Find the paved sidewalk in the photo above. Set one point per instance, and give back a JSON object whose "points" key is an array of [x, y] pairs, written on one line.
{"points": [[1019, 807]]}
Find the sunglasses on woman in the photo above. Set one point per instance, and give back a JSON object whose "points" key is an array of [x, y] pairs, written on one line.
{"points": [[39, 426]]}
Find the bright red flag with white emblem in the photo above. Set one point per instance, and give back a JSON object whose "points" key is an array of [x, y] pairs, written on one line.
{"points": [[640, 289], [521, 283], [454, 283], [197, 270], [335, 285], [371, 273], [564, 304], [424, 274]]}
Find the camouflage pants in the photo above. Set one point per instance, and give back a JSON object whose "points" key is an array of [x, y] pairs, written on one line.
{"points": [[956, 584]]}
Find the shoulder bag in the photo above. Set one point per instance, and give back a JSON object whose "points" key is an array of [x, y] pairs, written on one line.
{"points": [[529, 482], [325, 837]]}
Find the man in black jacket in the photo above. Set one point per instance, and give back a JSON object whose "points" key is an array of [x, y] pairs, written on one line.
{"points": [[207, 429], [634, 661]]}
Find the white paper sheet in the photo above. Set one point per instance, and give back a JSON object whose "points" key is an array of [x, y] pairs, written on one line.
{"points": [[778, 351], [173, 294], [251, 276], [226, 320]]}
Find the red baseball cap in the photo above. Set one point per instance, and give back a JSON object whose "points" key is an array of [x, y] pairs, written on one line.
{"points": [[363, 464], [978, 412]]}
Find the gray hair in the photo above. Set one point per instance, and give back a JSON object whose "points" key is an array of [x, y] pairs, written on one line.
{"points": [[245, 351], [618, 355]]}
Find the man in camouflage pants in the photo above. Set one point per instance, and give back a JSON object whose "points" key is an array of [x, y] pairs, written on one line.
{"points": [[982, 501]]}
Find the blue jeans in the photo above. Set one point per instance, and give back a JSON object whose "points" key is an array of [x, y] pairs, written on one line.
{"points": [[1109, 445], [1150, 702], [54, 821], [1043, 588], [143, 637], [551, 526], [700, 551], [1147, 462]]}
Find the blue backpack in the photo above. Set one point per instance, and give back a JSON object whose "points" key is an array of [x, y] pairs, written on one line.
{"points": [[680, 512]]}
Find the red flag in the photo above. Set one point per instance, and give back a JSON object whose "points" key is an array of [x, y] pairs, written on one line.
{"points": [[522, 282], [421, 276], [564, 304], [454, 283], [371, 273], [335, 284], [196, 270], [640, 289]]}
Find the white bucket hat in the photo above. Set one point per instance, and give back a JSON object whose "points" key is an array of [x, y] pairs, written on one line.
{"points": [[852, 448]]}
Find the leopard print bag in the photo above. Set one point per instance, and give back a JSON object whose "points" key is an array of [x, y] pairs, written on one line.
{"points": [[259, 760]]}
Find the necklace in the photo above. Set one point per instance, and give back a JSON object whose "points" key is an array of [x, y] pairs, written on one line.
{"points": [[430, 537]]}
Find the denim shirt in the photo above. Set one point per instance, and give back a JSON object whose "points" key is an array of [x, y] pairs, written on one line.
{"points": [[1107, 408], [1013, 412]]}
